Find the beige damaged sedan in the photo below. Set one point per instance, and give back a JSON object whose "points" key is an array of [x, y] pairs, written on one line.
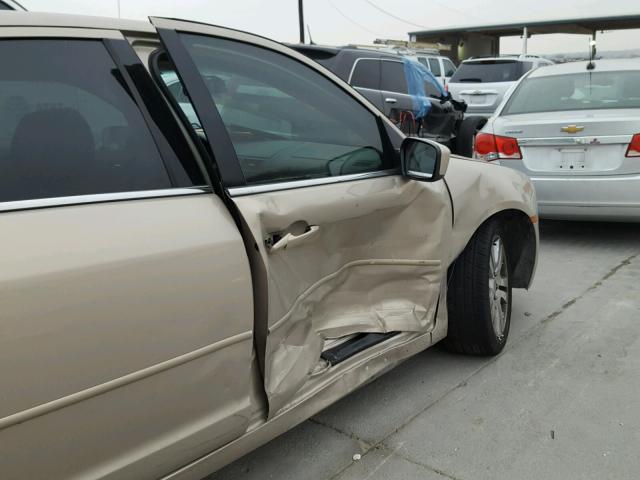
{"points": [[207, 238]]}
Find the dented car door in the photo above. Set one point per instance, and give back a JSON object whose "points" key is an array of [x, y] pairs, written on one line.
{"points": [[342, 244]]}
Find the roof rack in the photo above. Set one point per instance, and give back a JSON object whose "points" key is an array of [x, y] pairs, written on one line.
{"points": [[504, 55]]}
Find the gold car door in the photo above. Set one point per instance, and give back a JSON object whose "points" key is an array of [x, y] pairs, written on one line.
{"points": [[342, 243]]}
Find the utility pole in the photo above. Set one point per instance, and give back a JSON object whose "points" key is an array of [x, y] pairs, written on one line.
{"points": [[301, 20]]}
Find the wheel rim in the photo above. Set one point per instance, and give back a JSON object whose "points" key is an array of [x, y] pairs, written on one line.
{"points": [[498, 287]]}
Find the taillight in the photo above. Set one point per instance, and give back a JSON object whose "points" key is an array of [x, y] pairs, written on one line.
{"points": [[490, 147], [446, 87], [634, 147]]}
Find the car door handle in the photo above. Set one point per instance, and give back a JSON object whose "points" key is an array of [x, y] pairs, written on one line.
{"points": [[290, 240], [390, 100]]}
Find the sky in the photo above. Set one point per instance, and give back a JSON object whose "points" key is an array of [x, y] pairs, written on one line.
{"points": [[339, 22]]}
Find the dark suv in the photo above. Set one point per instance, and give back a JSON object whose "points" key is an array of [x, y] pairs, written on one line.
{"points": [[380, 77]]}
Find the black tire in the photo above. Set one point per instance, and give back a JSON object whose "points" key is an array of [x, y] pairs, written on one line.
{"points": [[470, 298], [466, 135]]}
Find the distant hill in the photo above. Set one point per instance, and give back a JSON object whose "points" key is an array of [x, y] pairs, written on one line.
{"points": [[578, 56]]}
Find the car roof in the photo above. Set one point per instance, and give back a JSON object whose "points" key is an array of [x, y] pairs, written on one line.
{"points": [[33, 19], [608, 65]]}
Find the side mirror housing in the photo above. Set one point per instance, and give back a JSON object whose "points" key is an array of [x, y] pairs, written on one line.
{"points": [[423, 160]]}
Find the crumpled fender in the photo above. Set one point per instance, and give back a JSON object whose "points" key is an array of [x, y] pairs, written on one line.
{"points": [[479, 190]]}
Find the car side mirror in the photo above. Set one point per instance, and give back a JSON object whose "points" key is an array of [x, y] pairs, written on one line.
{"points": [[423, 160]]}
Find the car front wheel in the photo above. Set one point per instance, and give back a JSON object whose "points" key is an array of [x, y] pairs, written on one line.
{"points": [[479, 294]]}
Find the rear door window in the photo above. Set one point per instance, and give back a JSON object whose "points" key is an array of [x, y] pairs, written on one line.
{"points": [[69, 125], [489, 71], [434, 66], [393, 78], [366, 74], [431, 90]]}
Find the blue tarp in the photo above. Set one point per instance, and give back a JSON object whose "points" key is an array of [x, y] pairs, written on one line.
{"points": [[417, 74]]}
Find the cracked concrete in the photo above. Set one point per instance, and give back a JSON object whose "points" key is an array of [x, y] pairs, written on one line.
{"points": [[559, 402]]}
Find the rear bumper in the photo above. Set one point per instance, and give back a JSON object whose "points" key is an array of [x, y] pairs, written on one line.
{"points": [[471, 112], [588, 213], [585, 197], [613, 198]]}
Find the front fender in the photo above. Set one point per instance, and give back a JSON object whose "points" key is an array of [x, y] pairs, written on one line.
{"points": [[480, 190]]}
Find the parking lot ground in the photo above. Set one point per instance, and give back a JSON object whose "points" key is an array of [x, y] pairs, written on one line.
{"points": [[561, 401]]}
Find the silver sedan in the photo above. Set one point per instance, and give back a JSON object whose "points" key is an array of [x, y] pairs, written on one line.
{"points": [[575, 130]]}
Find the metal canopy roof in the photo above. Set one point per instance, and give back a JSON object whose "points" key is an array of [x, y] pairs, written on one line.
{"points": [[586, 25]]}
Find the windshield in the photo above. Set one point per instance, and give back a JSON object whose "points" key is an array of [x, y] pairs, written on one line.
{"points": [[579, 91], [489, 71]]}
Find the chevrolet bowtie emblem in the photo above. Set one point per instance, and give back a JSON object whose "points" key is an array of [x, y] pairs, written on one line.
{"points": [[572, 129]]}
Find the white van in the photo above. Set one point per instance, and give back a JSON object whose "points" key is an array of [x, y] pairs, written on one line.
{"points": [[441, 67]]}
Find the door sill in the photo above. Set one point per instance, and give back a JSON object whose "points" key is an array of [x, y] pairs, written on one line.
{"points": [[353, 346]]}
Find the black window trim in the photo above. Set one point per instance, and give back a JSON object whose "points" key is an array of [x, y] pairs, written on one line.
{"points": [[125, 58], [186, 69], [206, 161], [224, 154]]}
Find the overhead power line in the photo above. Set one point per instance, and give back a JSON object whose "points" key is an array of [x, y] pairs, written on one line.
{"points": [[392, 15], [349, 19], [408, 22]]}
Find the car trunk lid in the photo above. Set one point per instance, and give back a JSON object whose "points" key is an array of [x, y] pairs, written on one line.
{"points": [[587, 142], [482, 96]]}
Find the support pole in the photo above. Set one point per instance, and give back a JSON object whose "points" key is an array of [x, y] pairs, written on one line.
{"points": [[525, 38], [301, 20]]}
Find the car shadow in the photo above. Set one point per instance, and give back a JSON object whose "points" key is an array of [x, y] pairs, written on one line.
{"points": [[614, 233]]}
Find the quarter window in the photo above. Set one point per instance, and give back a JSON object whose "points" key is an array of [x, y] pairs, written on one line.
{"points": [[393, 78], [449, 67], [68, 125], [286, 121], [366, 74]]}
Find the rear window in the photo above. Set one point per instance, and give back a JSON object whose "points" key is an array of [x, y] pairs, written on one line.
{"points": [[68, 125], [580, 91], [490, 71]]}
